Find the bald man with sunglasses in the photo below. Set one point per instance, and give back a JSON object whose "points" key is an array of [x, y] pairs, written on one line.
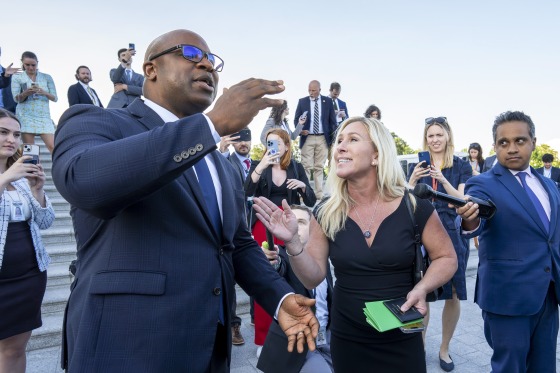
{"points": [[159, 214]]}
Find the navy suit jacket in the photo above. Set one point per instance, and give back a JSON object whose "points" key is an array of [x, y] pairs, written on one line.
{"points": [[488, 162], [554, 174], [151, 272], [125, 97], [517, 258], [7, 98], [78, 95], [342, 106], [328, 118]]}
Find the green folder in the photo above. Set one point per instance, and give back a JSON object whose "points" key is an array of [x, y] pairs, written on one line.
{"points": [[379, 316]]}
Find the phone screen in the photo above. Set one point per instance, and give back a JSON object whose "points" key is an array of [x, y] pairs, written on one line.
{"points": [[424, 156]]}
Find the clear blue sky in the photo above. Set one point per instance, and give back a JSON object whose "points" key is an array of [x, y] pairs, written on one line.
{"points": [[467, 60]]}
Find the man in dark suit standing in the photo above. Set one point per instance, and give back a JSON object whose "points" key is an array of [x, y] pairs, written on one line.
{"points": [[81, 92], [316, 136], [128, 84], [159, 216], [241, 162], [340, 109], [489, 162], [518, 282], [553, 173], [6, 99]]}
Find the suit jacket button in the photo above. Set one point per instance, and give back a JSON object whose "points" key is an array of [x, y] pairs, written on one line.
{"points": [[184, 154], [221, 251], [177, 158], [199, 147], [217, 291], [192, 151], [547, 269]]}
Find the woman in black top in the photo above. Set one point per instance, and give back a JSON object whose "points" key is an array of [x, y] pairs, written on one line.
{"points": [[366, 231]]}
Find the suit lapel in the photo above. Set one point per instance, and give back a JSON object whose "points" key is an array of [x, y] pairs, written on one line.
{"points": [[552, 199], [511, 183], [144, 114], [228, 198]]}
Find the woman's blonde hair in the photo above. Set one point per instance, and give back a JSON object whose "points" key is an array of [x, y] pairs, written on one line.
{"points": [[391, 181], [449, 147], [287, 157]]}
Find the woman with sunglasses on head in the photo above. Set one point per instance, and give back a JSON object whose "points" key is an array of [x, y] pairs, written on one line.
{"points": [[32, 90], [447, 174], [24, 210], [365, 229], [278, 119], [276, 177], [476, 160]]}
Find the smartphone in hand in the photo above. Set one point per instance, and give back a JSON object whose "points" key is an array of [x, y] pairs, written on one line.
{"points": [[303, 116], [424, 156], [33, 151], [272, 146]]}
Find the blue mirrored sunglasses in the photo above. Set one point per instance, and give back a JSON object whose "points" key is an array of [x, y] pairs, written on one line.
{"points": [[440, 120], [193, 54]]}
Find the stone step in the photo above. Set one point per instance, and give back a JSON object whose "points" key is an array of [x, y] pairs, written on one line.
{"points": [[55, 299], [62, 219], [59, 204], [57, 235], [58, 275], [63, 253], [48, 335]]}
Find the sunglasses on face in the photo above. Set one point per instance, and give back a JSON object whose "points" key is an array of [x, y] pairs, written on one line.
{"points": [[440, 120], [193, 54]]}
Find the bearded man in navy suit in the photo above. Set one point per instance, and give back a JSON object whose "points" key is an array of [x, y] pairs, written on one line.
{"points": [[81, 92], [159, 217], [518, 281]]}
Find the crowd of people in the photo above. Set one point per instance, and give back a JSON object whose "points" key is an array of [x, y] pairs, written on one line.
{"points": [[163, 251]]}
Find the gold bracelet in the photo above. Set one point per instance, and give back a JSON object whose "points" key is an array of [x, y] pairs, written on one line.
{"points": [[287, 252]]}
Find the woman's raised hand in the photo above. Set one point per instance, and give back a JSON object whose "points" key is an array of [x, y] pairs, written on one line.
{"points": [[282, 224]]}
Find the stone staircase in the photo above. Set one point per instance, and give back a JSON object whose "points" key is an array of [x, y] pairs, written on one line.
{"points": [[61, 246]]}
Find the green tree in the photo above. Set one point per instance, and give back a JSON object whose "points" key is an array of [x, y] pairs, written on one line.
{"points": [[402, 146], [539, 151]]}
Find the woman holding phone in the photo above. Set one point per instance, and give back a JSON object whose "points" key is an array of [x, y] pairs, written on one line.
{"points": [[278, 119], [24, 210], [33, 90], [277, 177], [447, 174]]}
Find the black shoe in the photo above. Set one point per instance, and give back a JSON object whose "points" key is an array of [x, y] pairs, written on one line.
{"points": [[448, 367]]}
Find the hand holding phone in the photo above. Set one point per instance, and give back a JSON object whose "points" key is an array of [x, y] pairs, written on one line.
{"points": [[272, 146], [303, 116], [33, 151], [424, 156]]}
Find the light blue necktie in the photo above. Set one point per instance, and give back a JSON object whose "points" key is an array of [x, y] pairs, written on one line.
{"points": [[536, 202], [129, 75]]}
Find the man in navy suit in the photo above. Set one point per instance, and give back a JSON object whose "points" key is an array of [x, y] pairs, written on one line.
{"points": [[159, 217], [81, 92], [340, 109], [316, 136], [553, 173], [518, 282], [127, 83], [6, 99]]}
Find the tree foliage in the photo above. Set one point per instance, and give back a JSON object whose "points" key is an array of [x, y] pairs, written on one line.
{"points": [[402, 146]]}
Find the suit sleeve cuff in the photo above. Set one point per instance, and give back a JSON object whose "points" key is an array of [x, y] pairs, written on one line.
{"points": [[215, 135], [279, 304]]}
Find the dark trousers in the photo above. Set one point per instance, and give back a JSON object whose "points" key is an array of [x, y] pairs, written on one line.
{"points": [[524, 343]]}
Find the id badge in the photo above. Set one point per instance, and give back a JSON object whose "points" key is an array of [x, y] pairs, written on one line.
{"points": [[321, 337], [17, 212]]}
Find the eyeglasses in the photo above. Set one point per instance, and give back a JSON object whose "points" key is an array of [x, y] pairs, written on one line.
{"points": [[193, 54], [440, 120]]}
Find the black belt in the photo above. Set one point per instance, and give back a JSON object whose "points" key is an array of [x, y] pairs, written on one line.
{"points": [[315, 134]]}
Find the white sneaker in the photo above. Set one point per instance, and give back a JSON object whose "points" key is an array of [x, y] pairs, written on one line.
{"points": [[259, 349]]}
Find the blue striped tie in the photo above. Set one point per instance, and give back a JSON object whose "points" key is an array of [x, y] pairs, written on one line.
{"points": [[316, 117]]}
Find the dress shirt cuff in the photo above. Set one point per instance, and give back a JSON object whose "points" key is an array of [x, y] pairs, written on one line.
{"points": [[215, 134], [279, 304], [464, 232]]}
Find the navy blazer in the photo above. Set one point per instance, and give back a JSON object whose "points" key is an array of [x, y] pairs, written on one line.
{"points": [[78, 95], [151, 273], [7, 98], [328, 118], [125, 97], [517, 258], [554, 174]]}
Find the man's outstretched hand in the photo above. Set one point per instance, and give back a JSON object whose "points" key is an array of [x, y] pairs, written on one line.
{"points": [[297, 320]]}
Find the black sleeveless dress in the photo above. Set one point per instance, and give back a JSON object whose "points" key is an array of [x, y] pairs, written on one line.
{"points": [[22, 284], [363, 274]]}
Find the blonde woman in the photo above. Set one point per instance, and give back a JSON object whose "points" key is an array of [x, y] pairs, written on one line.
{"points": [[447, 174], [366, 231]]}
